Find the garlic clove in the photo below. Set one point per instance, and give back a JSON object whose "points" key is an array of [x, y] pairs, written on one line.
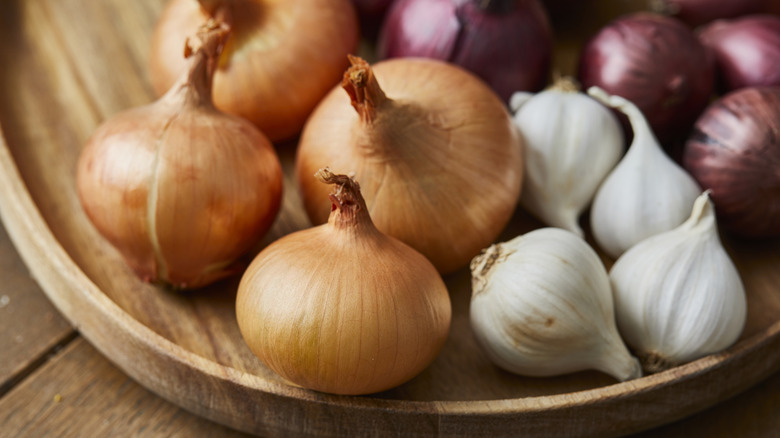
{"points": [[518, 99], [572, 143], [645, 194], [678, 295], [542, 306]]}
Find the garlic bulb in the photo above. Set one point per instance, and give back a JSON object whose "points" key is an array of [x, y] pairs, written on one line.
{"points": [[647, 193], [678, 295], [542, 306], [572, 142]]}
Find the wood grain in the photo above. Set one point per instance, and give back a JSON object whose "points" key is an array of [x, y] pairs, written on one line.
{"points": [[76, 63], [48, 405], [30, 326], [97, 399], [742, 416]]}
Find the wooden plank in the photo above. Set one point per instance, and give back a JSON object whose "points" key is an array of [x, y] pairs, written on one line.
{"points": [[752, 414], [30, 326], [80, 394]]}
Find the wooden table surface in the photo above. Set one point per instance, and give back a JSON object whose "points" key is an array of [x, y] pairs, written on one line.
{"points": [[54, 383]]}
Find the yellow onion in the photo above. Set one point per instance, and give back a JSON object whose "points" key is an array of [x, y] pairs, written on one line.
{"points": [[179, 188], [434, 149], [341, 307], [282, 57]]}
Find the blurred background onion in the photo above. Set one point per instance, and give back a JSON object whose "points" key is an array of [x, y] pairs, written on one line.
{"points": [[507, 43]]}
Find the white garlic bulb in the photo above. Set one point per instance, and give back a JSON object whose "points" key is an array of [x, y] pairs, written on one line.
{"points": [[645, 194], [541, 305], [572, 143], [678, 295]]}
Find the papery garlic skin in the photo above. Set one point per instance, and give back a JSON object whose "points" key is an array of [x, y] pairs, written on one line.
{"points": [[542, 306], [572, 143], [645, 194], [678, 295]]}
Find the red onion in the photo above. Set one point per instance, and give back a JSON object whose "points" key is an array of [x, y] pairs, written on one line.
{"points": [[734, 150], [698, 12], [657, 63], [746, 50], [507, 43]]}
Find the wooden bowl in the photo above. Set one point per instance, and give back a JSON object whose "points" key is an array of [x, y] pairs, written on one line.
{"points": [[69, 65]]}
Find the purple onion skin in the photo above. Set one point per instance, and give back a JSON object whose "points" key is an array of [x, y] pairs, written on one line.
{"points": [[746, 51], [509, 46], [734, 150], [698, 12], [657, 63]]}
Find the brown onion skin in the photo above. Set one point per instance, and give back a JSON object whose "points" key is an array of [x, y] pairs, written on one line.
{"points": [[211, 181], [657, 63], [272, 46], [734, 150], [746, 51], [440, 167], [343, 308]]}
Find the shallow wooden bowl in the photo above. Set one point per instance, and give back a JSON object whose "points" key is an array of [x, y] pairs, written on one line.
{"points": [[70, 64]]}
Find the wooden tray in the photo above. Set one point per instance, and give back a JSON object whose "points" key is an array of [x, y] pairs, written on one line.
{"points": [[70, 64]]}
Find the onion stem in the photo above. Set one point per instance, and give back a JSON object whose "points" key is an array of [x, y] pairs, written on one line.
{"points": [[203, 63], [348, 206], [363, 89]]}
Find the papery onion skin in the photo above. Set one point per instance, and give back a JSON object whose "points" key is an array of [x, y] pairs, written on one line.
{"points": [[508, 46], [657, 63], [179, 188], [440, 164], [746, 51], [734, 151], [342, 308], [274, 45], [698, 12]]}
